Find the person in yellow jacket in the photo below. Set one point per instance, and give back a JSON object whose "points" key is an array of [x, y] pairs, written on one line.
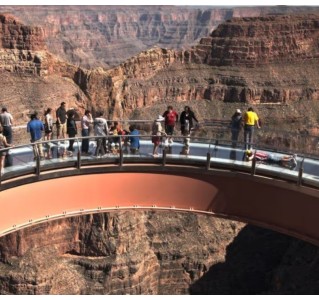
{"points": [[251, 120]]}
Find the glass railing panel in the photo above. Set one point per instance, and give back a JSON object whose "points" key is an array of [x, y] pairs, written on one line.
{"points": [[96, 149], [227, 153], [214, 139], [18, 159], [56, 151], [310, 170]]}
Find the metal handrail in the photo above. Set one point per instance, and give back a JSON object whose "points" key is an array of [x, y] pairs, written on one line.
{"points": [[216, 143], [194, 139]]}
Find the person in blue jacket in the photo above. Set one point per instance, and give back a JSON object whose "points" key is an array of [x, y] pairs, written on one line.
{"points": [[134, 139], [35, 127]]}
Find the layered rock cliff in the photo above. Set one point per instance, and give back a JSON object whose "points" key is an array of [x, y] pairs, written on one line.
{"points": [[260, 41], [121, 253], [31, 77], [264, 61], [105, 36], [154, 253]]}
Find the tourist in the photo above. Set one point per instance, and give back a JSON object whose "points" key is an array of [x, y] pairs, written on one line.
{"points": [[186, 143], [6, 120], [157, 133], [48, 124], [101, 131], [3, 144], [86, 121], [287, 161], [116, 132], [251, 119], [48, 128], [35, 127], [71, 129], [61, 118], [186, 120], [236, 124], [171, 117], [134, 139]]}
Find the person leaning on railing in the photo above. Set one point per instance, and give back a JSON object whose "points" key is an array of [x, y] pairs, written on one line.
{"points": [[250, 119], [61, 118], [100, 131], [134, 139], [157, 133], [186, 120], [3, 144], [171, 118], [71, 129], [85, 126], [48, 124], [6, 120], [35, 127], [236, 124]]}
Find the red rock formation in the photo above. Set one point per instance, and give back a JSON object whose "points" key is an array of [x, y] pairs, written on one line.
{"points": [[103, 36], [116, 253], [250, 60], [157, 76], [264, 40], [154, 253], [14, 35]]}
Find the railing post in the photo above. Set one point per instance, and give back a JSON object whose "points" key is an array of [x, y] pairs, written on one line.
{"points": [[300, 173], [121, 157], [208, 161], [253, 166], [121, 152], [37, 160], [164, 157], [78, 162]]}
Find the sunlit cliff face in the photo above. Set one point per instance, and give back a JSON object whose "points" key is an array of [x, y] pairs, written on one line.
{"points": [[245, 61]]}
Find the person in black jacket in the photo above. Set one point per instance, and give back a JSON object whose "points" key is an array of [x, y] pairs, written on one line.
{"points": [[186, 119], [71, 129], [236, 125]]}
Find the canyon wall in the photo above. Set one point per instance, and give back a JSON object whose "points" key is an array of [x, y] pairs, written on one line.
{"points": [[154, 253], [246, 61], [105, 36], [31, 77], [115, 253], [256, 41]]}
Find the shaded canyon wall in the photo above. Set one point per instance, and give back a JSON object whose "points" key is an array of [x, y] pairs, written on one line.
{"points": [[154, 253]]}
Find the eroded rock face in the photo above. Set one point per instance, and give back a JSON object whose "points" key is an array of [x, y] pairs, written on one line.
{"points": [[115, 253], [259, 41], [154, 253], [265, 60], [105, 36], [155, 77], [15, 35]]}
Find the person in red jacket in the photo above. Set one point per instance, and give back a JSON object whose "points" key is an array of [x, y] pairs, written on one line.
{"points": [[171, 117]]}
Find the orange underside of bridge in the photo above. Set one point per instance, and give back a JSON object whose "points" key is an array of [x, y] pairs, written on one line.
{"points": [[70, 194], [258, 201]]}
